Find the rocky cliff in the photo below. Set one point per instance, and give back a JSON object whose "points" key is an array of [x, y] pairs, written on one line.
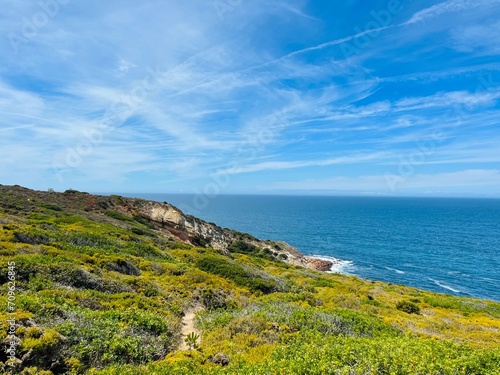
{"points": [[161, 217]]}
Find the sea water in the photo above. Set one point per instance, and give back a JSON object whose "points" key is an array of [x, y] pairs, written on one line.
{"points": [[440, 244]]}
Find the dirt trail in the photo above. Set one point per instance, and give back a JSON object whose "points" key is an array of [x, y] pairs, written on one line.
{"points": [[188, 326]]}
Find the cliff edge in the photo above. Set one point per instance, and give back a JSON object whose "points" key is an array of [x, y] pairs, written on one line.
{"points": [[163, 218]]}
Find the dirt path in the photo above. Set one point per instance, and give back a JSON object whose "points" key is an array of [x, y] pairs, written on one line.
{"points": [[188, 326]]}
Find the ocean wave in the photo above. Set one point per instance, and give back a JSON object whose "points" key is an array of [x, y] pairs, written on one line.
{"points": [[345, 267], [395, 270], [489, 279], [439, 283]]}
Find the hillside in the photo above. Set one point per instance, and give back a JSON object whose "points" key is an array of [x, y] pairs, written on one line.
{"points": [[113, 285]]}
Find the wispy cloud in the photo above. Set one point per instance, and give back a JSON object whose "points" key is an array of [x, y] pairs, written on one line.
{"points": [[282, 165], [483, 39], [447, 7]]}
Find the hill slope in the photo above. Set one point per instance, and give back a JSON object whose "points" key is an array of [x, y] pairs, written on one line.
{"points": [[110, 285]]}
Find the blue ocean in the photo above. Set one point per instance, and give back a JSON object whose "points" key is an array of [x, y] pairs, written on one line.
{"points": [[441, 244]]}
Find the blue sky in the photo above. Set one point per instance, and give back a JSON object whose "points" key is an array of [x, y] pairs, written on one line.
{"points": [[237, 96]]}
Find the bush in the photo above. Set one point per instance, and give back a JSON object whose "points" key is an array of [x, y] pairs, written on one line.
{"points": [[199, 241], [118, 216], [220, 359], [31, 239], [295, 318], [138, 231], [70, 275], [408, 307], [72, 191], [40, 347], [99, 338], [52, 207], [216, 299], [124, 267], [234, 272], [243, 247], [249, 325]]}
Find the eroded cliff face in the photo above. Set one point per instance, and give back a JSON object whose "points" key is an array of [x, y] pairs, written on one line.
{"points": [[198, 232], [184, 227]]}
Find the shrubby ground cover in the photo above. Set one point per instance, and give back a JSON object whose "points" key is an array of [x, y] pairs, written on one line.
{"points": [[107, 296]]}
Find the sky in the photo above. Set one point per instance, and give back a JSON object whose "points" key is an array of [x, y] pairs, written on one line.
{"points": [[385, 98]]}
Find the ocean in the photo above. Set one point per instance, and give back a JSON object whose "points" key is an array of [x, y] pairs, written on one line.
{"points": [[444, 245]]}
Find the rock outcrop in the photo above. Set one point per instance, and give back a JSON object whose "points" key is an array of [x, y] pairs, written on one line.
{"points": [[318, 264], [184, 227], [198, 232]]}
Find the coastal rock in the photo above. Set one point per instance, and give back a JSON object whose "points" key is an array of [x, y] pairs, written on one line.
{"points": [[318, 264], [198, 232]]}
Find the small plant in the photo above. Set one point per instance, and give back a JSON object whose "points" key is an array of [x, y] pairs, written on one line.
{"points": [[191, 341], [408, 307]]}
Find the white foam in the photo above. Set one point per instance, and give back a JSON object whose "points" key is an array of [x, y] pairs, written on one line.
{"points": [[345, 267], [395, 270], [439, 283]]}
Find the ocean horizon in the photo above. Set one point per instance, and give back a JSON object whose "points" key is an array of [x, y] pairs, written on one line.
{"points": [[447, 245]]}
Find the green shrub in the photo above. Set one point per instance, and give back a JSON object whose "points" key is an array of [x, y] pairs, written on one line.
{"points": [[243, 248], [68, 274], [123, 266], [138, 231], [31, 239], [234, 272], [52, 207], [72, 191], [118, 216], [98, 338], [39, 282], [250, 325], [408, 307], [216, 298], [117, 199]]}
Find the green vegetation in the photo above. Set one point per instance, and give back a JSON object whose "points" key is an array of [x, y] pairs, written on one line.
{"points": [[192, 341], [408, 307], [101, 291], [240, 275], [118, 216]]}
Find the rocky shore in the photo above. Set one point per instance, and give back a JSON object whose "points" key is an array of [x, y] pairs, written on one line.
{"points": [[318, 264]]}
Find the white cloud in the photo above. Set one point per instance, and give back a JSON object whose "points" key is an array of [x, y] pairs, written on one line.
{"points": [[124, 66], [449, 99], [282, 165], [448, 7], [481, 38]]}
